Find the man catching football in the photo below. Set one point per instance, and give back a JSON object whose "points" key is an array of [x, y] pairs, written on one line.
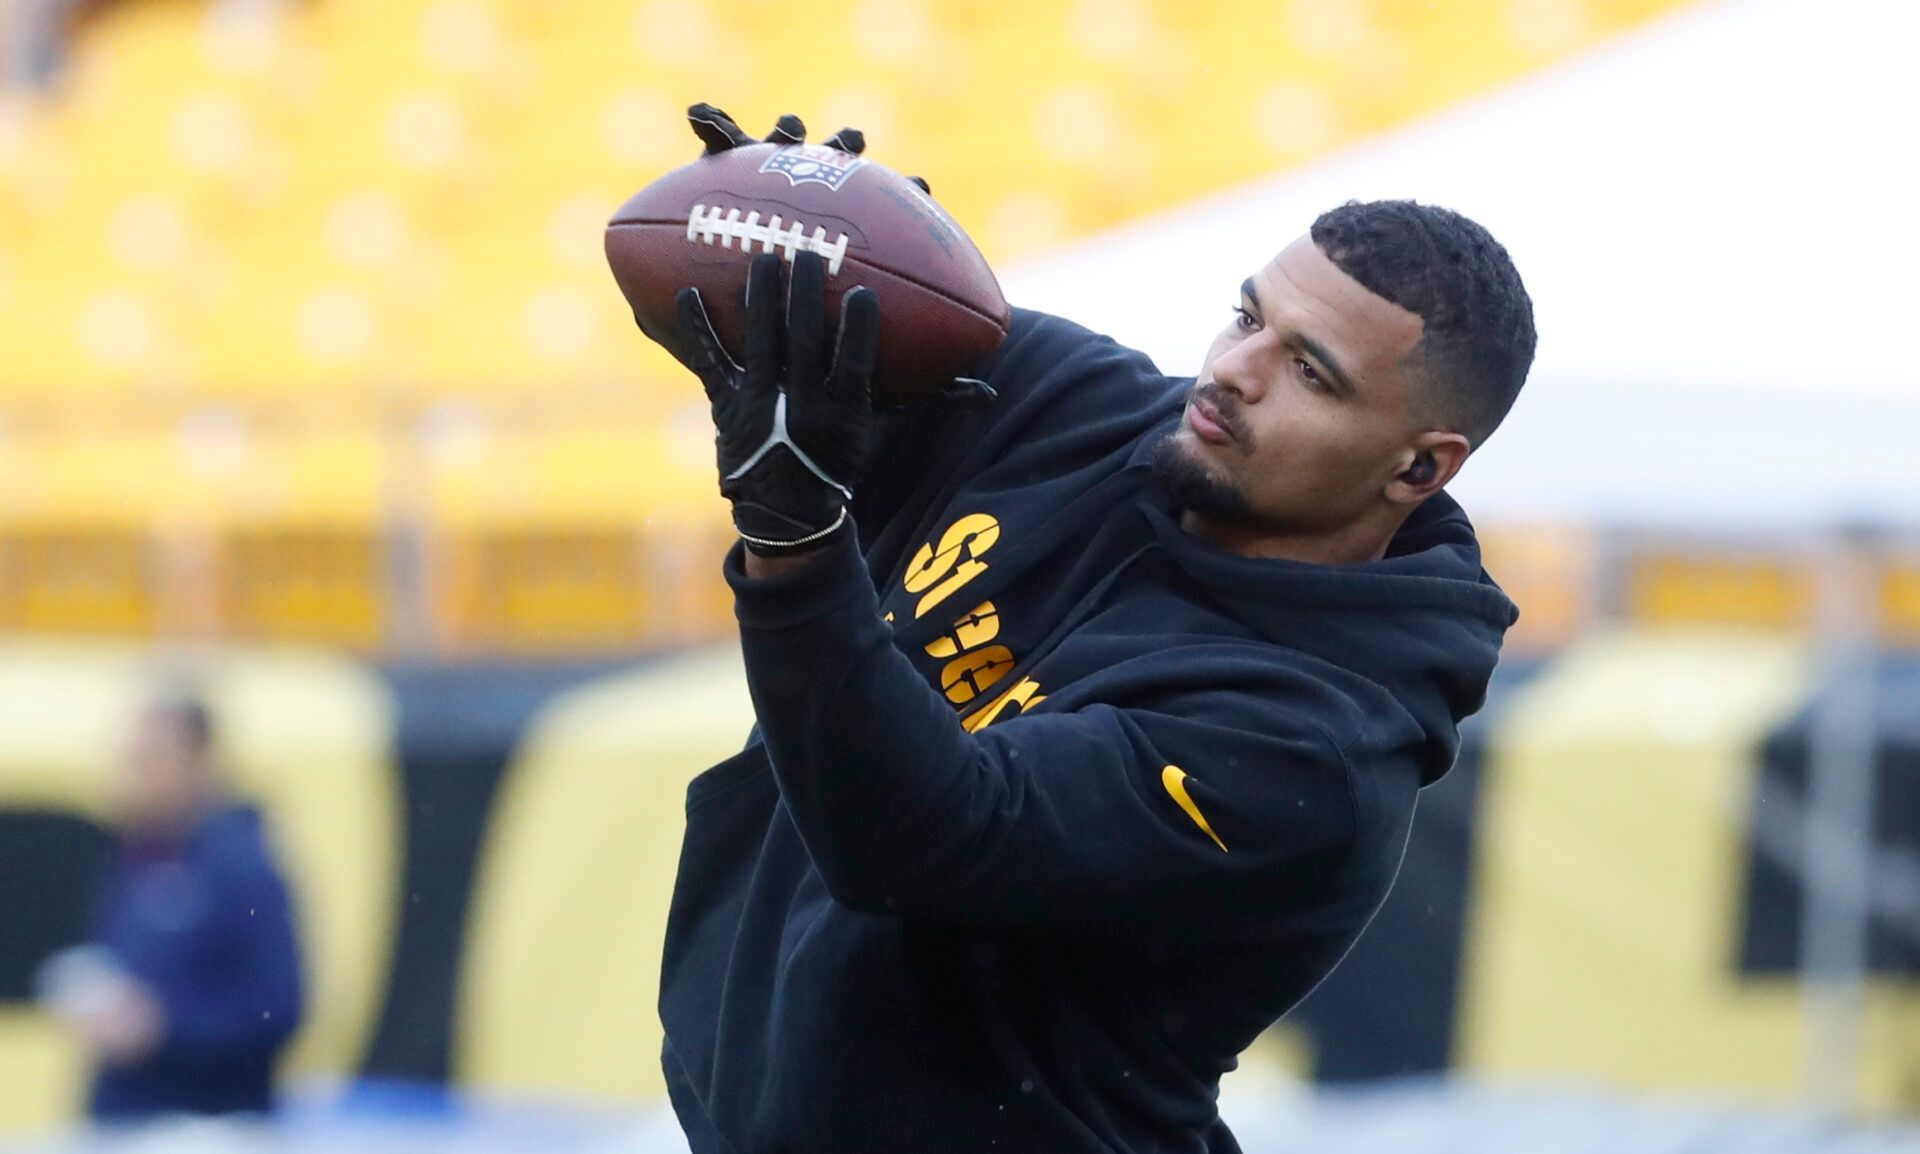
{"points": [[1092, 712]]}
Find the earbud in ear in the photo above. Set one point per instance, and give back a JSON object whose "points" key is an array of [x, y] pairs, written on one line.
{"points": [[1421, 471]]}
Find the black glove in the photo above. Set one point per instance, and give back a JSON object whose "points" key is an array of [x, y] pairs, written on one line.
{"points": [[791, 423], [719, 132]]}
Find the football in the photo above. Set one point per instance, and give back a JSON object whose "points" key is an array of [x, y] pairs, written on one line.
{"points": [[941, 310]]}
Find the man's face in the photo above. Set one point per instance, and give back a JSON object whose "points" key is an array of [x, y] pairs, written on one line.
{"points": [[166, 772], [1301, 415]]}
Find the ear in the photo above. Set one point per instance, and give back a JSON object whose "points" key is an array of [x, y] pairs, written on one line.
{"points": [[1426, 465]]}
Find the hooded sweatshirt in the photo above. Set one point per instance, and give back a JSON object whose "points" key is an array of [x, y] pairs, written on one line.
{"points": [[1052, 807], [203, 922]]}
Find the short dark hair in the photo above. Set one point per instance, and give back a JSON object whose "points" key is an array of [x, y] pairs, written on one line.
{"points": [[191, 715], [1478, 341]]}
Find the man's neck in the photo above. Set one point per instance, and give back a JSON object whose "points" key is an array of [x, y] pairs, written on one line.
{"points": [[176, 825], [1351, 545]]}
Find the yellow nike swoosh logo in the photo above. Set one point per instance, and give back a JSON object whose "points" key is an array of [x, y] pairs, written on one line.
{"points": [[1175, 779]]}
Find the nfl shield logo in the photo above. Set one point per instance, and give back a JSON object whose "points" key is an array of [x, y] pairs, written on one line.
{"points": [[813, 164]]}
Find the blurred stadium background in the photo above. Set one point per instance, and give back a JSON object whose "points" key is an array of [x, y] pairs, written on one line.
{"points": [[312, 380]]}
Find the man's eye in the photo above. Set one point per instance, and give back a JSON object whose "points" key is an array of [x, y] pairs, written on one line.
{"points": [[1307, 372], [1244, 320]]}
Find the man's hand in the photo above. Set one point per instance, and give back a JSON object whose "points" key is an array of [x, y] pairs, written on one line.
{"points": [[719, 133], [125, 1027], [792, 418]]}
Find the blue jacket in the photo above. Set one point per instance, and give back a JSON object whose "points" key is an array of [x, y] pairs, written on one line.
{"points": [[205, 924], [1052, 808]]}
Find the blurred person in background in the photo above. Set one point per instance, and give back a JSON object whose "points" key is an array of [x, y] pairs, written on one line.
{"points": [[34, 35], [191, 986]]}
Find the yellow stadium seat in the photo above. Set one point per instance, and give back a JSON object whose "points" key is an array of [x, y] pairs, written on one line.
{"points": [[1698, 587], [78, 551], [297, 583], [575, 538], [79, 579], [1900, 602], [209, 525], [1549, 574], [302, 554]]}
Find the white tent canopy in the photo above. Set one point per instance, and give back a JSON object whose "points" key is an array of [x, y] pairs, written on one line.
{"points": [[1719, 221]]}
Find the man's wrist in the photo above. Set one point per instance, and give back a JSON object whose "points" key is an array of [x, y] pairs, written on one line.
{"points": [[759, 568], [767, 535], [783, 590]]}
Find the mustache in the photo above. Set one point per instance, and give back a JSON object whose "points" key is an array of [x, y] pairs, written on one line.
{"points": [[1227, 404]]}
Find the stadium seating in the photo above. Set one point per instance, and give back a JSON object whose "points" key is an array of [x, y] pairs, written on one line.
{"points": [[255, 254]]}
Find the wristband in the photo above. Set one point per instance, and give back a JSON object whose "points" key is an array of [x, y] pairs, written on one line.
{"points": [[766, 548]]}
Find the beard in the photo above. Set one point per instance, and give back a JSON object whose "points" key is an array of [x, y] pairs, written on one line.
{"points": [[1196, 489]]}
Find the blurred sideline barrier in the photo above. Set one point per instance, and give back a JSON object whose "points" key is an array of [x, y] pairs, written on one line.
{"points": [[461, 541], [1609, 887], [572, 890], [1618, 869]]}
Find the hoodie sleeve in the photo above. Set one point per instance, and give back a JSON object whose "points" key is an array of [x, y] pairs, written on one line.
{"points": [[1053, 383], [255, 1005], [1213, 813]]}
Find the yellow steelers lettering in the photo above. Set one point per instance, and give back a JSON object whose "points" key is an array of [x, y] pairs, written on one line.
{"points": [[970, 632], [966, 572], [942, 571], [1025, 693], [971, 674], [968, 537]]}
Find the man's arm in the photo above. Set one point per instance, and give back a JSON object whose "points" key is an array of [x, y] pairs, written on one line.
{"points": [[257, 1005], [1206, 816]]}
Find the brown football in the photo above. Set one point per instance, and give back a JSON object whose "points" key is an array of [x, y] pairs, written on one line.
{"points": [[941, 309]]}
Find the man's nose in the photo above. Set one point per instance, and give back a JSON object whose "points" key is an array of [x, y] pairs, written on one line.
{"points": [[1236, 370]]}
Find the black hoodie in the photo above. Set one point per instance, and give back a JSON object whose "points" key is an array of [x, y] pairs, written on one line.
{"points": [[1052, 807]]}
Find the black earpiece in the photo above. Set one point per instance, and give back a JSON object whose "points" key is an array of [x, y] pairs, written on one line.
{"points": [[1421, 471]]}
